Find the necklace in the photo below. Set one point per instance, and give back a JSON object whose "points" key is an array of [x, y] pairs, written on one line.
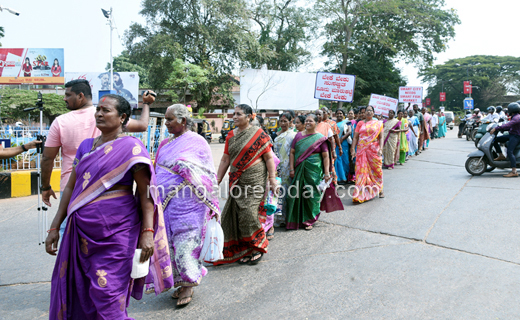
{"points": [[94, 145], [173, 137]]}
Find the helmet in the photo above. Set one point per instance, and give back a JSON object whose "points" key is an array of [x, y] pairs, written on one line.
{"points": [[491, 109], [477, 110], [468, 112], [513, 108], [499, 109]]}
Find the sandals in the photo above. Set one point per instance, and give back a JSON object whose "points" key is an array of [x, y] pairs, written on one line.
{"points": [[189, 298], [258, 256], [244, 260], [176, 293], [308, 228], [270, 236]]}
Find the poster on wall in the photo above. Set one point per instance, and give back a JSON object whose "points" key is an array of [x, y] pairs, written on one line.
{"points": [[126, 84], [334, 86], [32, 66], [412, 95], [383, 104]]}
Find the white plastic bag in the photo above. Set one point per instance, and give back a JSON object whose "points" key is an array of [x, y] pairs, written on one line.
{"points": [[139, 269], [214, 242]]}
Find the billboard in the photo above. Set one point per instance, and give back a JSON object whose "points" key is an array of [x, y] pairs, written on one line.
{"points": [[277, 90], [126, 84], [383, 104], [32, 66]]}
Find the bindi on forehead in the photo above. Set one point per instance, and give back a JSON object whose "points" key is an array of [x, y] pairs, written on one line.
{"points": [[103, 100]]}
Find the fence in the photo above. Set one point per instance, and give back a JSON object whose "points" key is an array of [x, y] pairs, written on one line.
{"points": [[28, 160]]}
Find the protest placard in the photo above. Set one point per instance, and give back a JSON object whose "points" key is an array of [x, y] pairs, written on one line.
{"points": [[382, 104], [334, 86], [410, 94]]}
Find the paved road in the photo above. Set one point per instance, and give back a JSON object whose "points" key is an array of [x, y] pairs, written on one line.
{"points": [[441, 245]]}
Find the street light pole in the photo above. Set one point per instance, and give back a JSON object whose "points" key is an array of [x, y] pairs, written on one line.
{"points": [[109, 16]]}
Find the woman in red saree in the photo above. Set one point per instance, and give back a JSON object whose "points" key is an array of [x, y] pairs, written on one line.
{"points": [[369, 139], [247, 150]]}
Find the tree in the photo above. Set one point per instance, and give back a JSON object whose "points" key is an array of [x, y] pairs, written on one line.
{"points": [[285, 31], [15, 100], [187, 77], [125, 63], [493, 77], [385, 30], [213, 34], [2, 34]]}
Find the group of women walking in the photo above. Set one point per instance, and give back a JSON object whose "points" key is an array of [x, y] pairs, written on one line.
{"points": [[166, 216]]}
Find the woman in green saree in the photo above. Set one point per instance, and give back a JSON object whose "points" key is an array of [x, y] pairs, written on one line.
{"points": [[309, 162]]}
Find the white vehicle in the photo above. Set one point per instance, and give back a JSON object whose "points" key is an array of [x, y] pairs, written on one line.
{"points": [[450, 119]]}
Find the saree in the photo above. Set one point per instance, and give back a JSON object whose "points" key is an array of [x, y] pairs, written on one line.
{"points": [[91, 277], [413, 145], [442, 127], [341, 165], [282, 149], [369, 171], [244, 213], [391, 143], [403, 140], [186, 176], [323, 128]]}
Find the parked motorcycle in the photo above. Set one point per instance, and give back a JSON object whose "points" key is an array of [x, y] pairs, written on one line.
{"points": [[479, 160]]}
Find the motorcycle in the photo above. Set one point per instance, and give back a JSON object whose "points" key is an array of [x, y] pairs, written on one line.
{"points": [[479, 160], [482, 129], [470, 128]]}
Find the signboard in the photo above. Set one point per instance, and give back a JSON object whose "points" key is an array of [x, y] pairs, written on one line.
{"points": [[467, 87], [382, 104], [468, 104], [428, 101], [32, 66], [442, 96], [410, 94], [441, 109], [126, 84], [334, 86]]}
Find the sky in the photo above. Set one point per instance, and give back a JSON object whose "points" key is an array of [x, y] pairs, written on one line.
{"points": [[80, 28]]}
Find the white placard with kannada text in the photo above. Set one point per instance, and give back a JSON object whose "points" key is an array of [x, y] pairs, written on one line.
{"points": [[335, 86], [382, 104], [410, 94]]}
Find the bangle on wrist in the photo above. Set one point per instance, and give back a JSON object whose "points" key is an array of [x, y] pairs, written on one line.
{"points": [[24, 148], [42, 188], [52, 229], [146, 230]]}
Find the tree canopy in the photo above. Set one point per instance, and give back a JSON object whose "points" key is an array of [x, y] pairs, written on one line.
{"points": [[2, 34], [15, 100], [492, 77]]}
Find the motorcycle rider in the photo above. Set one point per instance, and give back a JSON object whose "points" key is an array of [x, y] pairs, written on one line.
{"points": [[462, 123], [492, 116], [501, 113], [476, 114], [513, 138]]}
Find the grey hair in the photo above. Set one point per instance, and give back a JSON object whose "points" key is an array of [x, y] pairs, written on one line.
{"points": [[181, 112]]}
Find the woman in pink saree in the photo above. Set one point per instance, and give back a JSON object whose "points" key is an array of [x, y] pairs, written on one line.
{"points": [[106, 222], [369, 139]]}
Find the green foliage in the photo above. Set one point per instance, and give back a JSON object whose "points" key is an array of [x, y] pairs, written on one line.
{"points": [[125, 63], [493, 78], [285, 31], [15, 100], [2, 34], [186, 77]]}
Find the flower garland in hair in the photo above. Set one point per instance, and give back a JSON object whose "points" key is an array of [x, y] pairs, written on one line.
{"points": [[254, 116]]}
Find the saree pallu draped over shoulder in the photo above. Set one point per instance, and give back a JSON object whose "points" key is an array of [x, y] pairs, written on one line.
{"points": [[391, 144], [244, 213], [369, 171], [186, 176], [91, 278]]}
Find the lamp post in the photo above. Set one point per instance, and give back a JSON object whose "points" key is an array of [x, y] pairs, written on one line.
{"points": [[16, 13], [109, 16]]}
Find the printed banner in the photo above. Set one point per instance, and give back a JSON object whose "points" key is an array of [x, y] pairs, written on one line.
{"points": [[126, 84], [32, 66], [411, 95], [383, 104], [335, 87]]}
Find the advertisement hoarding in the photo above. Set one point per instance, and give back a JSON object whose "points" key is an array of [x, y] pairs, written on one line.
{"points": [[32, 66], [126, 84]]}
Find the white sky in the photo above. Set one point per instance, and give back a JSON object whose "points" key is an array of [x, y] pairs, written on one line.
{"points": [[80, 28]]}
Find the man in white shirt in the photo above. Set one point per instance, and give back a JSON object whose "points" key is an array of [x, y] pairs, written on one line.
{"points": [[492, 115], [435, 125], [501, 114]]}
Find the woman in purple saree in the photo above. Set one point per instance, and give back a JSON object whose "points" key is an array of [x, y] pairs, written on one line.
{"points": [[186, 177], [106, 223]]}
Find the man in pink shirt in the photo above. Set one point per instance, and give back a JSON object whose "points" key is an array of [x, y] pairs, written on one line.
{"points": [[69, 130]]}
